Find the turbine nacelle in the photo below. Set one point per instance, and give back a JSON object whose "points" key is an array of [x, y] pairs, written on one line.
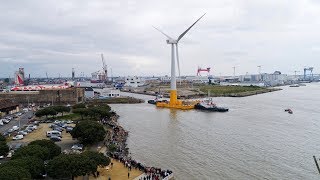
{"points": [[172, 41]]}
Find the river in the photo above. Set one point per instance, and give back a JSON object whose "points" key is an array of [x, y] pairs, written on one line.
{"points": [[256, 139]]}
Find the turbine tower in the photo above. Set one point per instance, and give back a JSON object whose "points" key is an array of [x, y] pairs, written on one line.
{"points": [[174, 103]]}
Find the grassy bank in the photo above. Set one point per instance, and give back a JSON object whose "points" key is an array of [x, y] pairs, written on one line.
{"points": [[235, 91]]}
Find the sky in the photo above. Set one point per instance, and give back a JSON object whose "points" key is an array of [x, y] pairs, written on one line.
{"points": [[55, 36]]}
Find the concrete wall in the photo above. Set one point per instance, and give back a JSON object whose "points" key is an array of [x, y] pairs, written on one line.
{"points": [[61, 96]]}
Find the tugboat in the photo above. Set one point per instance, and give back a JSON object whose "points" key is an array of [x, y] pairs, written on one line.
{"points": [[208, 105]]}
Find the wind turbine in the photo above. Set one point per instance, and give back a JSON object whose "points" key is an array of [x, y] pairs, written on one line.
{"points": [[174, 53]]}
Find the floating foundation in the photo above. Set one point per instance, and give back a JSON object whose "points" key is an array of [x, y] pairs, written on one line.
{"points": [[177, 104]]}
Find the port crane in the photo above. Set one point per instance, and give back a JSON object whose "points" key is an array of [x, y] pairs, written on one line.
{"points": [[104, 67], [202, 70]]}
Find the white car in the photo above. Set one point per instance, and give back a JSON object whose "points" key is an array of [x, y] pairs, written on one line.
{"points": [[23, 132], [19, 114], [1, 123], [33, 127], [77, 147], [18, 137], [15, 128]]}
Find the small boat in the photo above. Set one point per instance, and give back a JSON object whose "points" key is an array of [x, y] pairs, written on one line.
{"points": [[301, 84], [208, 105], [294, 85], [289, 111]]}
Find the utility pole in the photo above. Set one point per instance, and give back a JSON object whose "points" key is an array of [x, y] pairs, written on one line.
{"points": [[234, 72]]}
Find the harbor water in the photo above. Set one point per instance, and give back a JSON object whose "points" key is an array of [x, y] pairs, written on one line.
{"points": [[256, 139]]}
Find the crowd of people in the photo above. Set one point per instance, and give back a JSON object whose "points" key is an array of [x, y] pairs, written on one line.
{"points": [[116, 138]]}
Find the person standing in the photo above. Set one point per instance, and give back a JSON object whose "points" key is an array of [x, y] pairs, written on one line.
{"points": [[128, 175]]}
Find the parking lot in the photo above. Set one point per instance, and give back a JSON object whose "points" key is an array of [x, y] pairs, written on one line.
{"points": [[15, 122]]}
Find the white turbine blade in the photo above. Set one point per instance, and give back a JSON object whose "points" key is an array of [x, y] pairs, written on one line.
{"points": [[162, 33], [185, 32], [178, 62]]}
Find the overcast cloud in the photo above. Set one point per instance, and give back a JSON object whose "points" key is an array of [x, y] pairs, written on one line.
{"points": [[56, 36]]}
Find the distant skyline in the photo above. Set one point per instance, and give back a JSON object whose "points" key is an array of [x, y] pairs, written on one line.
{"points": [[56, 36]]}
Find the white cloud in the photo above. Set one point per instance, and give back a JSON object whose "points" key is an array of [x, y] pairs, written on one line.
{"points": [[55, 36]]}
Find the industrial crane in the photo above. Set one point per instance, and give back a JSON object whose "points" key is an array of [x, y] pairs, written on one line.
{"points": [[104, 67]]}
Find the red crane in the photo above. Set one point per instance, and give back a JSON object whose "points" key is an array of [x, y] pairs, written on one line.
{"points": [[204, 70]]}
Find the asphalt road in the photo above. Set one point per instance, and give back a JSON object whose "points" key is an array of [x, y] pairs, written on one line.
{"points": [[15, 122]]}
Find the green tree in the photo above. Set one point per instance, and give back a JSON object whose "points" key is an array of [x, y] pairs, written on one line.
{"points": [[81, 111], [34, 165], [2, 138], [40, 113], [51, 111], [4, 148], [32, 150], [61, 109], [54, 150], [7, 80], [88, 132], [70, 166], [77, 106], [98, 158], [13, 172]]}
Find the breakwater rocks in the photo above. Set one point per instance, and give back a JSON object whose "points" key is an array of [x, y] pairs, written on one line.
{"points": [[117, 149]]}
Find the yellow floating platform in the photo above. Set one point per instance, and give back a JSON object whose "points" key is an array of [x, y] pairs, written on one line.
{"points": [[177, 104]]}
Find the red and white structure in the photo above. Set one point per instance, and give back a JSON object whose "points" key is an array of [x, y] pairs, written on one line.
{"points": [[19, 77], [203, 70]]}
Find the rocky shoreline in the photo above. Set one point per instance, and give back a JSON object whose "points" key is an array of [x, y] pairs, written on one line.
{"points": [[117, 149]]}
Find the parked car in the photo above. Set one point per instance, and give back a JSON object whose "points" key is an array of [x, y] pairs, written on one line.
{"points": [[55, 138], [17, 146], [69, 129], [9, 117], [10, 130], [15, 128], [18, 137], [5, 121], [1, 122], [57, 129], [57, 122], [53, 133], [5, 134], [19, 114], [23, 132], [77, 147], [10, 153], [28, 130], [69, 122], [33, 127]]}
